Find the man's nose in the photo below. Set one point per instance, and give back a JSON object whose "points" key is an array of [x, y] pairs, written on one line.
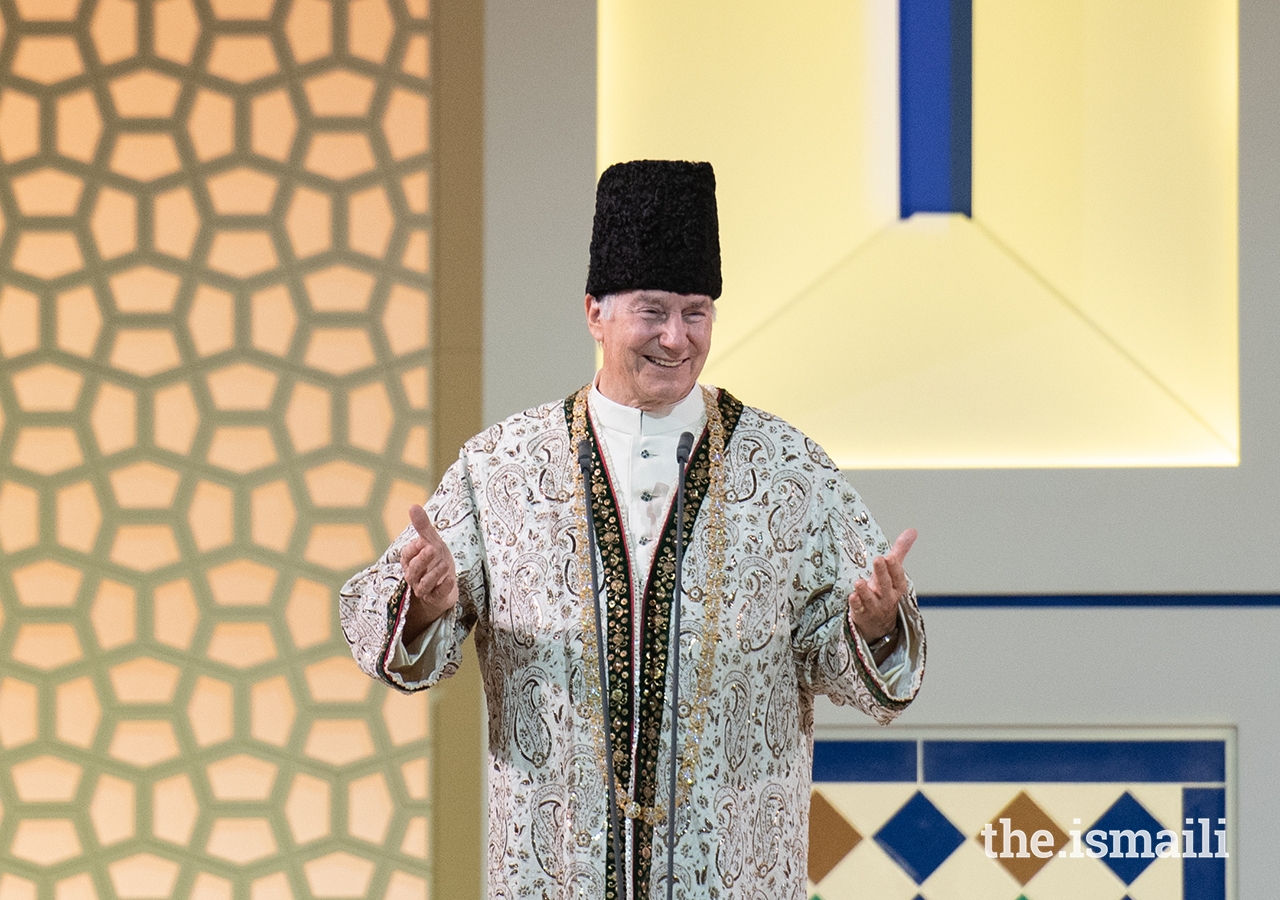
{"points": [[674, 333]]}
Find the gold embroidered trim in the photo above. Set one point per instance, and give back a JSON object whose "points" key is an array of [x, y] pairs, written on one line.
{"points": [[696, 712]]}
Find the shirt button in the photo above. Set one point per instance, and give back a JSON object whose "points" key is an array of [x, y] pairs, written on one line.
{"points": [[645, 454], [643, 541], [646, 496]]}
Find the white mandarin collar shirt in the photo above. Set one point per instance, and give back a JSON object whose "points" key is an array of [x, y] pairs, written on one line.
{"points": [[640, 457]]}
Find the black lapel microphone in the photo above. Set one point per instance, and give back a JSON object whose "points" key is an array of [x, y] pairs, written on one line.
{"points": [[683, 449], [602, 650]]}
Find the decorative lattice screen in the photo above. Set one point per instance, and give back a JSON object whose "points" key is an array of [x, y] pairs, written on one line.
{"points": [[214, 393]]}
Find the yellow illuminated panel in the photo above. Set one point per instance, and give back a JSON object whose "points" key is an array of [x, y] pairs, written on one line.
{"points": [[1085, 315]]}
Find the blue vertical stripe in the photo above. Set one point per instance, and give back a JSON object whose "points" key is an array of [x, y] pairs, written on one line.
{"points": [[935, 76], [1204, 877]]}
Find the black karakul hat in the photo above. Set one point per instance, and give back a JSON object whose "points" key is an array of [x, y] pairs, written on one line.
{"points": [[656, 229]]}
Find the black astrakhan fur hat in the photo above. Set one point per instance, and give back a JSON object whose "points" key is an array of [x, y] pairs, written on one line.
{"points": [[656, 229]]}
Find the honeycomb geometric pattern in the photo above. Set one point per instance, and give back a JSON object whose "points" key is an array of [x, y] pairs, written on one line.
{"points": [[215, 281]]}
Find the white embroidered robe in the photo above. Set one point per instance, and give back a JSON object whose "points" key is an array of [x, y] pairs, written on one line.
{"points": [[798, 538]]}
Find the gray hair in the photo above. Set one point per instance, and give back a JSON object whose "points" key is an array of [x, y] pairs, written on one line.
{"points": [[606, 306]]}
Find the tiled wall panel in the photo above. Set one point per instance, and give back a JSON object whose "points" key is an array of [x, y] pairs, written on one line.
{"points": [[215, 390]]}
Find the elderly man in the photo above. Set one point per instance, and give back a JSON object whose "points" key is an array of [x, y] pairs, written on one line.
{"points": [[789, 590]]}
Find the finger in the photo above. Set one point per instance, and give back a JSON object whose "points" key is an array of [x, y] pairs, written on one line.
{"points": [[410, 550], [902, 546], [884, 580], [898, 576], [421, 521]]}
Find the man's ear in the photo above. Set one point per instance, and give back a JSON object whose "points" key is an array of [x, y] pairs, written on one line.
{"points": [[593, 311]]}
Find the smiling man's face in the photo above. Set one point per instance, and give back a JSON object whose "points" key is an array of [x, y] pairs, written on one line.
{"points": [[655, 343]]}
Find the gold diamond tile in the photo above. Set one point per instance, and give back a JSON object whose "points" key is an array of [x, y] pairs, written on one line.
{"points": [[370, 416], [1025, 816], [405, 319]]}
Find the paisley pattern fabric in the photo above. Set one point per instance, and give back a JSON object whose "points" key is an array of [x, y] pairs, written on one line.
{"points": [[798, 538]]}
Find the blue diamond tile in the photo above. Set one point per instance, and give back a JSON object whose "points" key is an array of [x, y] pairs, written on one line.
{"points": [[1127, 857], [919, 838]]}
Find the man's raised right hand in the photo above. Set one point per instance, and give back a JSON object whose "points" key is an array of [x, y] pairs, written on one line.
{"points": [[430, 572]]}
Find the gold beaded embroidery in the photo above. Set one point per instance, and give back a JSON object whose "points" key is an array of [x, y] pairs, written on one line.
{"points": [[695, 712]]}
